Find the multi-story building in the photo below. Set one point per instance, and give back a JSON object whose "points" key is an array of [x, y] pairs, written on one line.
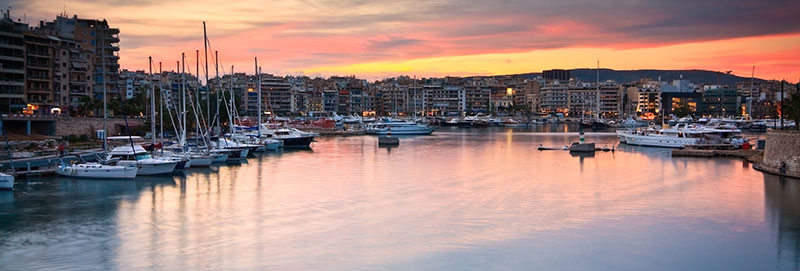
{"points": [[582, 100], [560, 75], [610, 100], [444, 100], [330, 100], [97, 37], [721, 101], [73, 75], [644, 99], [277, 94], [133, 82], [39, 85], [554, 98], [477, 99], [12, 66]]}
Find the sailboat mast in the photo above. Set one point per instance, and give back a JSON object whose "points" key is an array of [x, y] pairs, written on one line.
{"points": [[258, 88], [161, 105], [208, 89], [231, 111], [183, 99], [105, 107], [152, 102], [216, 90], [197, 89], [750, 102], [597, 93]]}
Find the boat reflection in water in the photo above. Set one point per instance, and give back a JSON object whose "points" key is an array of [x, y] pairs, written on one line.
{"points": [[477, 199]]}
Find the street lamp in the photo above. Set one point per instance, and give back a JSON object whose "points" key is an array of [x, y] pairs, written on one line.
{"points": [[783, 97]]}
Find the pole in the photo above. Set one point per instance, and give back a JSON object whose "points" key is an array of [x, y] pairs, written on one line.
{"points": [[258, 82], [219, 82], [197, 90], [231, 111], [783, 97], [597, 93], [750, 103], [161, 106], [183, 99], [105, 106], [152, 102], [208, 89]]}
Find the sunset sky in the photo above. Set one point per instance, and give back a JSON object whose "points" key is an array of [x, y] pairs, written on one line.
{"points": [[380, 38]]}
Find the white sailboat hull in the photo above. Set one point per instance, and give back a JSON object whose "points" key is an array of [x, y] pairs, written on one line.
{"points": [[220, 157], [97, 171], [148, 168], [201, 161]]}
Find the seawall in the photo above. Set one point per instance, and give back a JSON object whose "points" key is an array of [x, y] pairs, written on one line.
{"points": [[782, 153], [89, 126]]}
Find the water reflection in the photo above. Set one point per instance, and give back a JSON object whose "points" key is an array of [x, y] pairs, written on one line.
{"points": [[782, 199], [460, 199]]}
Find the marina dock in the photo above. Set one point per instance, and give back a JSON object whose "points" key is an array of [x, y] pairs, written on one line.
{"points": [[42, 165], [750, 155]]}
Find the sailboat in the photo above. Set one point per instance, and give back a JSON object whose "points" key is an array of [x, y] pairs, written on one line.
{"points": [[85, 169], [181, 161], [135, 155]]}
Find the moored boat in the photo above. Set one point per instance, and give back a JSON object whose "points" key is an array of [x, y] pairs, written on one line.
{"points": [[6, 182], [85, 169], [138, 157], [398, 128]]}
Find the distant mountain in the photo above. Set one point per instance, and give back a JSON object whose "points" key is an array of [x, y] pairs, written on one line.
{"points": [[625, 76]]}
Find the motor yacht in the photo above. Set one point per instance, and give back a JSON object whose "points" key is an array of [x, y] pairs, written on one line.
{"points": [[291, 138], [398, 128], [677, 137]]}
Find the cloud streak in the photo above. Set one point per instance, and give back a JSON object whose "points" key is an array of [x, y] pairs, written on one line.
{"points": [[295, 35]]}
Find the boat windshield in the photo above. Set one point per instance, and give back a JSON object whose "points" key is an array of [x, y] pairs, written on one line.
{"points": [[142, 156]]}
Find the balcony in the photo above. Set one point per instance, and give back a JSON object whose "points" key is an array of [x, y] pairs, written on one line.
{"points": [[39, 78], [39, 90], [15, 71], [39, 65]]}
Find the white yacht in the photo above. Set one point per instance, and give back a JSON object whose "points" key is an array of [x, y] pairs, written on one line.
{"points": [[291, 138], [677, 137], [398, 128], [6, 182], [137, 156]]}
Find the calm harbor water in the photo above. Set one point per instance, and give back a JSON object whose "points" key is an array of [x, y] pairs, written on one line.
{"points": [[463, 199]]}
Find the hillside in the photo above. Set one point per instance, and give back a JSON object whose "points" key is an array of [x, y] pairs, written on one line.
{"points": [[624, 76]]}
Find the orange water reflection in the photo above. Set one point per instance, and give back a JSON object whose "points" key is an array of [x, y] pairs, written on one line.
{"points": [[349, 203]]}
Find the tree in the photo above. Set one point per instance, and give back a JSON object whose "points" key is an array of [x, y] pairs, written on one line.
{"points": [[682, 110], [88, 106], [792, 109]]}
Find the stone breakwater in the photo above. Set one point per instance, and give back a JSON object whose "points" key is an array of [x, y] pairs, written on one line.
{"points": [[782, 153]]}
